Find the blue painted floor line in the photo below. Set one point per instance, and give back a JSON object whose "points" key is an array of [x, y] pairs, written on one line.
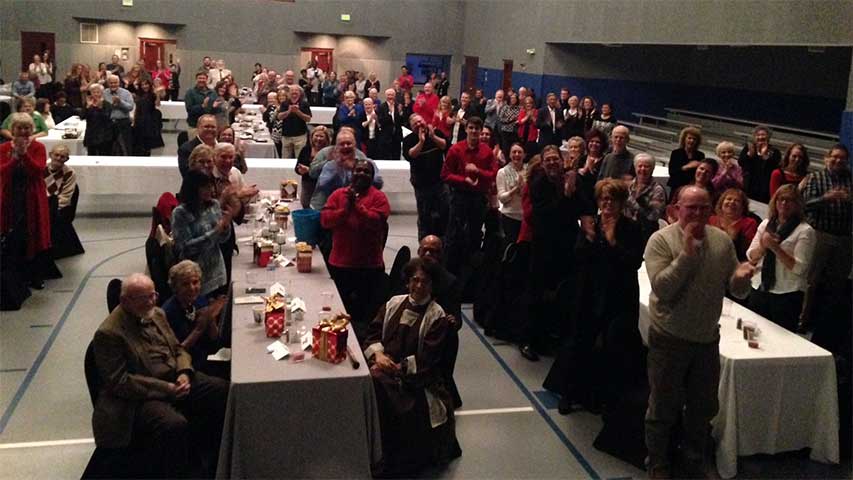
{"points": [[11, 370], [533, 401], [22, 389]]}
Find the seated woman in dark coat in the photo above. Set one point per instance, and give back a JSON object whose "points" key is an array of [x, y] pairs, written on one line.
{"points": [[608, 252], [193, 318], [403, 347]]}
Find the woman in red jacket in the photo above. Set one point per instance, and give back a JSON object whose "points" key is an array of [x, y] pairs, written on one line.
{"points": [[24, 215]]}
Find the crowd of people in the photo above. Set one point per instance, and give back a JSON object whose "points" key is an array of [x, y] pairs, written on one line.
{"points": [[550, 180]]}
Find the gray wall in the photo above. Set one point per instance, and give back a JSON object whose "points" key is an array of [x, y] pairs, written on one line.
{"points": [[245, 31], [498, 29]]}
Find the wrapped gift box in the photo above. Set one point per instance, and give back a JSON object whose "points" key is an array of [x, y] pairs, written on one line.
{"points": [[329, 339], [263, 253], [274, 316]]}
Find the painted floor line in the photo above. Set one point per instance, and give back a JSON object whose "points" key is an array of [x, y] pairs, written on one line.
{"points": [[492, 411], [531, 397], [25, 384], [49, 443]]}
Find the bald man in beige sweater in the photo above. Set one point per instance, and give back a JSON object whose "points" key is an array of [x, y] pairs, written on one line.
{"points": [[690, 265]]}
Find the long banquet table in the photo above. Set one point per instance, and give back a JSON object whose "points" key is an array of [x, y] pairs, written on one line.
{"points": [[294, 420], [778, 398], [177, 110]]}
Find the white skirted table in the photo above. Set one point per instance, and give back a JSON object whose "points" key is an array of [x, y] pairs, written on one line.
{"points": [[777, 398], [55, 136]]}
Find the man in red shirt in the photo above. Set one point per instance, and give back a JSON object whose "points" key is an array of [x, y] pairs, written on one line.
{"points": [[469, 170], [426, 103], [357, 215], [406, 80]]}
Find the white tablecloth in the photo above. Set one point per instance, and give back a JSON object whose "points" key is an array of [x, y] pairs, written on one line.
{"points": [[173, 110], [778, 398], [259, 149], [54, 136], [6, 99], [322, 115], [251, 107], [131, 185]]}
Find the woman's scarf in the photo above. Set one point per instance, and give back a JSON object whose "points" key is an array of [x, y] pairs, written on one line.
{"points": [[768, 266]]}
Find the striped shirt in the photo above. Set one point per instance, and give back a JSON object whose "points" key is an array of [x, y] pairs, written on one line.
{"points": [[60, 183]]}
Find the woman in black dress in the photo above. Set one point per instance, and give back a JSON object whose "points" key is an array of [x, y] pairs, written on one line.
{"points": [[147, 121], [608, 253]]}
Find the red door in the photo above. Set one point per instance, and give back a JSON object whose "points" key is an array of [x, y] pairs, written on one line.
{"points": [[150, 51], [37, 43], [471, 64], [506, 83], [322, 57]]}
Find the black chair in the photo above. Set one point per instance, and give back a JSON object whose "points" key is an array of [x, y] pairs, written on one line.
{"points": [[182, 138], [113, 294], [63, 236], [110, 462], [396, 285], [158, 269]]}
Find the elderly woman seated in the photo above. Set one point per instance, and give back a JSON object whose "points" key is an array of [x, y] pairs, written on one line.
{"points": [[193, 318], [404, 348], [61, 184]]}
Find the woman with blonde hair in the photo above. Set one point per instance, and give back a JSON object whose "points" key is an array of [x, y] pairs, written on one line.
{"points": [[684, 160], [443, 118], [783, 247]]}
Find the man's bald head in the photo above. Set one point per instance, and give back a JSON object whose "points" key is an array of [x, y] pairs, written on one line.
{"points": [[138, 296], [694, 205], [431, 249]]}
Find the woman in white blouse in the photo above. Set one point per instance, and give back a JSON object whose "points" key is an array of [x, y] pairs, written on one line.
{"points": [[510, 181], [782, 248]]}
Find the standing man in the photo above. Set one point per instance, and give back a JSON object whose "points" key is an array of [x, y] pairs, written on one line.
{"points": [[424, 149], [493, 108], [149, 391], [357, 215], [206, 65], [406, 80], [469, 171], [218, 73], [827, 196], [199, 101], [447, 292], [115, 67], [315, 78], [549, 121], [426, 103], [390, 126], [690, 265], [465, 112], [619, 163], [206, 134], [294, 113], [123, 104]]}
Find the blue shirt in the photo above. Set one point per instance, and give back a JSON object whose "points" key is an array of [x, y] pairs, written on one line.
{"points": [[183, 326], [125, 103], [335, 176], [23, 89]]}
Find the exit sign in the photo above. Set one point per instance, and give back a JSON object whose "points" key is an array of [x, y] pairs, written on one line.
{"points": [[345, 17]]}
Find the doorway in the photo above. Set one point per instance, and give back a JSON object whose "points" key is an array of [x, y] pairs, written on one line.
{"points": [[153, 49], [506, 83], [323, 57], [37, 43], [470, 81]]}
